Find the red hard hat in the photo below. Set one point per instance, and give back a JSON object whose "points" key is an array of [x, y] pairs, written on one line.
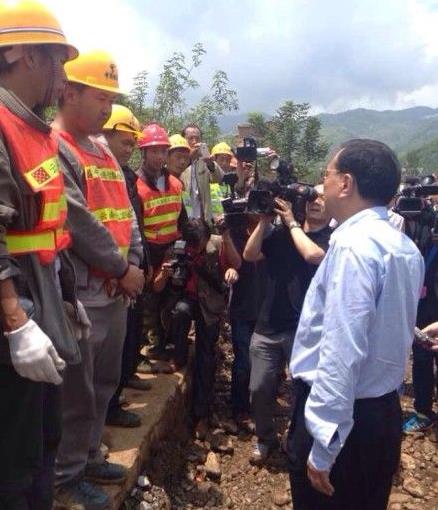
{"points": [[153, 135]]}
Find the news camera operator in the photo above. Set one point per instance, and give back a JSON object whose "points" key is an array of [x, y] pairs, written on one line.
{"points": [[194, 275], [425, 360], [292, 251]]}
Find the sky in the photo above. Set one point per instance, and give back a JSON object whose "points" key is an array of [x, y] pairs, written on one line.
{"points": [[334, 54]]}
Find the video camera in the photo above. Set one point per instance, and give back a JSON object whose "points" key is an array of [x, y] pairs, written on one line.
{"points": [[420, 213], [261, 199], [179, 264]]}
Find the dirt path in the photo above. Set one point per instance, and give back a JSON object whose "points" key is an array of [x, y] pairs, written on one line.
{"points": [[181, 480]]}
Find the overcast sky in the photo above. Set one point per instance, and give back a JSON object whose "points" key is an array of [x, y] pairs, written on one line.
{"points": [[334, 54]]}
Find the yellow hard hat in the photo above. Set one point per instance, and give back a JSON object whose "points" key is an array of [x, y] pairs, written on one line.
{"points": [[30, 22], [178, 142], [95, 69], [122, 119], [222, 148]]}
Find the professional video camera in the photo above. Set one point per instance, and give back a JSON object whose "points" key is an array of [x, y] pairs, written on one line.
{"points": [[419, 211], [261, 199], [179, 264]]}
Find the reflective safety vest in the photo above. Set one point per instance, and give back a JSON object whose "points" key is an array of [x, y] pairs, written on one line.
{"points": [[106, 193], [34, 154], [217, 193], [187, 201], [161, 210]]}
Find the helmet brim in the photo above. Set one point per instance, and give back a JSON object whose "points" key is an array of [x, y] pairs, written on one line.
{"points": [[114, 90]]}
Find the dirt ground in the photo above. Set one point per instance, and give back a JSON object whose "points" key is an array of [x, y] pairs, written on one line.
{"points": [[216, 473]]}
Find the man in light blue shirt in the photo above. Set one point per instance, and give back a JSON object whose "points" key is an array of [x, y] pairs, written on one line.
{"points": [[353, 341]]}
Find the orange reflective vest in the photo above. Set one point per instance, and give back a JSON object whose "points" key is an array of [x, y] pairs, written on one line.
{"points": [[161, 210], [34, 154], [106, 193]]}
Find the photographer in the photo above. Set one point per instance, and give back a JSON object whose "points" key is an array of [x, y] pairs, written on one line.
{"points": [[292, 253], [197, 292], [199, 175]]}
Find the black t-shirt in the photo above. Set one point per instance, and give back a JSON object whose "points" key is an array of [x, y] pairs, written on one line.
{"points": [[288, 278], [248, 292]]}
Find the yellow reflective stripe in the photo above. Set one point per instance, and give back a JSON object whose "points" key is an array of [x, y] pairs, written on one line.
{"points": [[168, 199], [63, 202], [106, 174], [51, 211], [28, 242], [162, 217], [39, 176], [108, 214], [161, 232]]}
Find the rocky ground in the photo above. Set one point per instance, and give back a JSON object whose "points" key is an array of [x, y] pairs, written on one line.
{"points": [[215, 473]]}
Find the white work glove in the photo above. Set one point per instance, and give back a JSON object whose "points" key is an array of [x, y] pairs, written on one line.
{"points": [[80, 323], [33, 355]]}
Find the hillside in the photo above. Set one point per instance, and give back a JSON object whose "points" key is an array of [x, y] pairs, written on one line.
{"points": [[403, 130]]}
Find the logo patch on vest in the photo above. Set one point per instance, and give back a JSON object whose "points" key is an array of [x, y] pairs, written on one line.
{"points": [[41, 175]]}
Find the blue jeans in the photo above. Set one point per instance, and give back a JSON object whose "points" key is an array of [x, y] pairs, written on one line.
{"points": [[241, 332]]}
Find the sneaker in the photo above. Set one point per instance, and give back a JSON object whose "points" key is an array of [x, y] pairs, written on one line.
{"points": [[81, 496], [261, 452], [121, 418], [417, 423], [105, 473], [137, 383]]}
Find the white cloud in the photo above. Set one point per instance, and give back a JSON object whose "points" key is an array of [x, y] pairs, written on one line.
{"points": [[335, 55]]}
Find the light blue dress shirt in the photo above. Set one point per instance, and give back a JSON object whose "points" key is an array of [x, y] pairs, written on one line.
{"points": [[356, 327]]}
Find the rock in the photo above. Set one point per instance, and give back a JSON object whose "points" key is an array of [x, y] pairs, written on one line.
{"points": [[143, 482], [212, 467], [220, 442], [407, 462], [398, 497], [413, 487], [281, 498], [396, 506], [203, 487], [230, 427], [144, 505]]}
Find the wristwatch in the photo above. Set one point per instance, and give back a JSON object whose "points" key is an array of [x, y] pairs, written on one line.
{"points": [[294, 224]]}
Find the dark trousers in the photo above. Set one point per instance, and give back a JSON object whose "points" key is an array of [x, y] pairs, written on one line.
{"points": [[241, 332], [205, 364], [177, 316], [362, 474], [30, 430], [131, 350], [424, 379]]}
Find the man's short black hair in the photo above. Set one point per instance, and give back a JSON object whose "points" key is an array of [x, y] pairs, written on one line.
{"points": [[80, 87], [373, 165], [195, 230], [191, 125]]}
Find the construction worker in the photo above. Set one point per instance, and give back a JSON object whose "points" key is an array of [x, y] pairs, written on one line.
{"points": [[198, 176], [107, 253], [163, 216], [36, 338], [122, 131], [178, 157], [222, 155]]}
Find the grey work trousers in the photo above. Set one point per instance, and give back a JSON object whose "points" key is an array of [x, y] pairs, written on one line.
{"points": [[269, 355], [87, 390]]}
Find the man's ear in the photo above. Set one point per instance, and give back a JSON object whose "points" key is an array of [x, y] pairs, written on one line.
{"points": [[31, 56], [348, 185]]}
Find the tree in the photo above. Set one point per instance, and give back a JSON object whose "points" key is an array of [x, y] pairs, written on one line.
{"points": [[220, 100], [175, 80], [295, 136], [138, 94]]}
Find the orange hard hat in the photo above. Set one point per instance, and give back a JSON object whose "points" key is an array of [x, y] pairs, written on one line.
{"points": [[153, 135]]}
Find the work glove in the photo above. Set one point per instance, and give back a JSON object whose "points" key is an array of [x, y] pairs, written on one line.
{"points": [[33, 355], [79, 321]]}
